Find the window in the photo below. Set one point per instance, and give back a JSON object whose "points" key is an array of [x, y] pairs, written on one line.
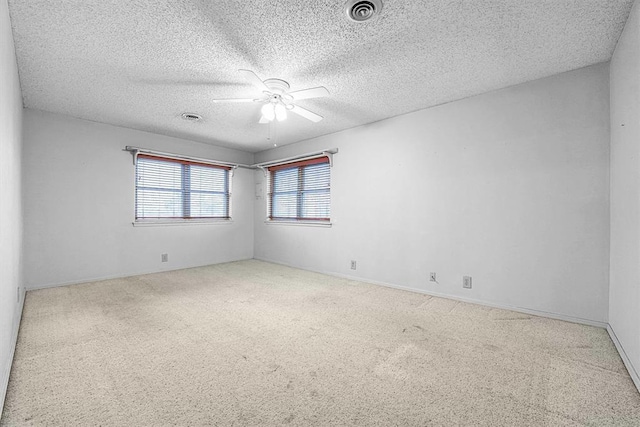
{"points": [[179, 189], [300, 191]]}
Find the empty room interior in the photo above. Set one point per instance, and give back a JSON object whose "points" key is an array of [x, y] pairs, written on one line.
{"points": [[371, 212]]}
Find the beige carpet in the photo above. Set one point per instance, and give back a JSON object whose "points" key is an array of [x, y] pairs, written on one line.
{"points": [[252, 343]]}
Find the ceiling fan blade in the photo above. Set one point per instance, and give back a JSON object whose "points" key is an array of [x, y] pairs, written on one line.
{"points": [[309, 115], [205, 83], [253, 78], [236, 100], [315, 92], [263, 121]]}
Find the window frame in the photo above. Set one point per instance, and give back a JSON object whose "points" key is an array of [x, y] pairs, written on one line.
{"points": [[299, 191], [184, 191]]}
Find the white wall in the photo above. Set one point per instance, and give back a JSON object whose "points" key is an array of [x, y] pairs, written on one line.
{"points": [[10, 196], [624, 297], [510, 187], [79, 205]]}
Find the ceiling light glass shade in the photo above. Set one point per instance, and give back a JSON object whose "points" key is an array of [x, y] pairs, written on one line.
{"points": [[281, 112], [268, 112]]}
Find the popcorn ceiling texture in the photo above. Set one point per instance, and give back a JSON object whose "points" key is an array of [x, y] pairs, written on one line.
{"points": [[142, 63], [253, 343]]}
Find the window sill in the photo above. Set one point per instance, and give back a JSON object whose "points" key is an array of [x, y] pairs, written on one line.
{"points": [[323, 224], [170, 222]]}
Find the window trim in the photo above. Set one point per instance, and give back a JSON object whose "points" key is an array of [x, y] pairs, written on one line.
{"points": [[300, 165], [328, 224], [182, 220], [179, 221]]}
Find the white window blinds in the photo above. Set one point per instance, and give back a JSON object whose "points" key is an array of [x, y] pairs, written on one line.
{"points": [[169, 188], [300, 191]]}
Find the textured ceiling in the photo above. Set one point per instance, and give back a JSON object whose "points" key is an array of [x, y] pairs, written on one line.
{"points": [[142, 63]]}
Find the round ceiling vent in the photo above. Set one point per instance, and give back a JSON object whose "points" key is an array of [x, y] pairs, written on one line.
{"points": [[363, 10], [192, 117]]}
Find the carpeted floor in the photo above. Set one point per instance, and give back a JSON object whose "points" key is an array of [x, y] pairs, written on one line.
{"points": [[252, 343]]}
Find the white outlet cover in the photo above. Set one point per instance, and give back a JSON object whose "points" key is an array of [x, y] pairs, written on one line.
{"points": [[466, 282]]}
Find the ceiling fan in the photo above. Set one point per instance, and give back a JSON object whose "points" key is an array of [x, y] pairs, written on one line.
{"points": [[277, 100]]}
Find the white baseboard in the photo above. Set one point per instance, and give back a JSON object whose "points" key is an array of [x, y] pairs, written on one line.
{"points": [[525, 310], [6, 370], [625, 359], [120, 276]]}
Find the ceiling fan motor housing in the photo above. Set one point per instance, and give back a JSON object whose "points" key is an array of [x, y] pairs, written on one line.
{"points": [[277, 86]]}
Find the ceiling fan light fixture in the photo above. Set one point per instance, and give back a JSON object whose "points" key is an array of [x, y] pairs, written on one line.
{"points": [[281, 112], [268, 112], [362, 10]]}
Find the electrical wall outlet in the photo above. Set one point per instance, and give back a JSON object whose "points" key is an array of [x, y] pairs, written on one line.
{"points": [[432, 277], [466, 282], [353, 265], [165, 257]]}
